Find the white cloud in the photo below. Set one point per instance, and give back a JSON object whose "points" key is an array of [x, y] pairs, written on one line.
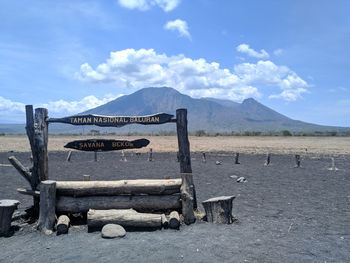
{"points": [[246, 49], [8, 107], [144, 5], [180, 26], [141, 68]]}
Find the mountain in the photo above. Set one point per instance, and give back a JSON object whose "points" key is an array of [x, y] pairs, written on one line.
{"points": [[205, 114], [209, 114]]}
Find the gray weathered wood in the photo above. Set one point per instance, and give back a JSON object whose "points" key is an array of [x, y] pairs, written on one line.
{"points": [[30, 125], [174, 220], [47, 215], [297, 160], [24, 171], [28, 192], [120, 187], [69, 156], [165, 221], [40, 154], [150, 155], [7, 207], [219, 209], [268, 159], [237, 158], [142, 203], [123, 217], [183, 142], [187, 199], [63, 224]]}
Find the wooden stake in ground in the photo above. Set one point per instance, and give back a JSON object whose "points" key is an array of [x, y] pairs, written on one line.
{"points": [[47, 215], [183, 142], [237, 158], [204, 158], [7, 207], [219, 209], [297, 160], [268, 159], [69, 156], [187, 198], [150, 155], [333, 168]]}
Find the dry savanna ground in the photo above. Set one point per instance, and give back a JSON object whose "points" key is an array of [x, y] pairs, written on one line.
{"points": [[250, 144]]}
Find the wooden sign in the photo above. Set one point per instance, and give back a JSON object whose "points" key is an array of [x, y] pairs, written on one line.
{"points": [[114, 121], [97, 145]]}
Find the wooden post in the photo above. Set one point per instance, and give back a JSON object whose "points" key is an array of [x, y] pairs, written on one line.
{"points": [[237, 158], [187, 198], [333, 167], [204, 158], [268, 159], [297, 160], [219, 209], [69, 156], [150, 156], [30, 126], [47, 215], [184, 146], [40, 156], [183, 142], [7, 207]]}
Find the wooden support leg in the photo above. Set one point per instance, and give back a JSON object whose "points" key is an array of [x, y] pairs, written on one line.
{"points": [[187, 198], [7, 207], [219, 209], [47, 215]]}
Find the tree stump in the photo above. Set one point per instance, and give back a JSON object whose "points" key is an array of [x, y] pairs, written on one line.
{"points": [[7, 207], [47, 215], [219, 209]]}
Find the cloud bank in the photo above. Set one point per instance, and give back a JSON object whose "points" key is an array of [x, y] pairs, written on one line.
{"points": [[144, 5], [247, 50], [141, 68]]}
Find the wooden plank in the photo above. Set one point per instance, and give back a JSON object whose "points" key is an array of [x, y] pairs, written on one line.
{"points": [[106, 145], [140, 203], [28, 192], [114, 121], [93, 188]]}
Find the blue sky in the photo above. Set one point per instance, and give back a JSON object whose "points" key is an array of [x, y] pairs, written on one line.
{"points": [[291, 55]]}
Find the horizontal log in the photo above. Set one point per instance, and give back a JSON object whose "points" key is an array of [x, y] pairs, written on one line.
{"points": [[123, 217], [24, 171], [28, 192], [121, 187], [139, 202]]}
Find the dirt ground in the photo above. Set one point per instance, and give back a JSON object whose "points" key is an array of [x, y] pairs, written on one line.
{"points": [[285, 214], [243, 144]]}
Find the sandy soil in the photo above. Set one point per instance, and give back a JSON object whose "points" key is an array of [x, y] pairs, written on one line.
{"points": [[284, 214], [331, 145]]}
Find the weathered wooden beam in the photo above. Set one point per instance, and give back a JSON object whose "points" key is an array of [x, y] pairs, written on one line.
{"points": [[183, 142], [24, 171], [62, 225], [121, 187], [69, 156], [140, 203], [187, 198], [123, 217], [47, 214], [40, 154], [28, 192]]}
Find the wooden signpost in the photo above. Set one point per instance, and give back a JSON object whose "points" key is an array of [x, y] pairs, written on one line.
{"points": [[102, 145], [114, 121]]}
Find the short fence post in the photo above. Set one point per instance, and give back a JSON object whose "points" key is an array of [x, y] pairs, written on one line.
{"points": [[150, 156], [237, 158], [268, 159], [69, 156], [297, 160], [47, 215], [204, 158]]}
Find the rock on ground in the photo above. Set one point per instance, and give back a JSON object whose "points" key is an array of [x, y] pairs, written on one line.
{"points": [[113, 231]]}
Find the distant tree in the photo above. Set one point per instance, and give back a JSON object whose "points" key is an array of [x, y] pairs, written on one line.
{"points": [[200, 133], [286, 133]]}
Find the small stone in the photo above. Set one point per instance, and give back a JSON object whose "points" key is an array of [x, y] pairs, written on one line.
{"points": [[234, 176], [217, 162], [241, 180], [113, 231]]}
